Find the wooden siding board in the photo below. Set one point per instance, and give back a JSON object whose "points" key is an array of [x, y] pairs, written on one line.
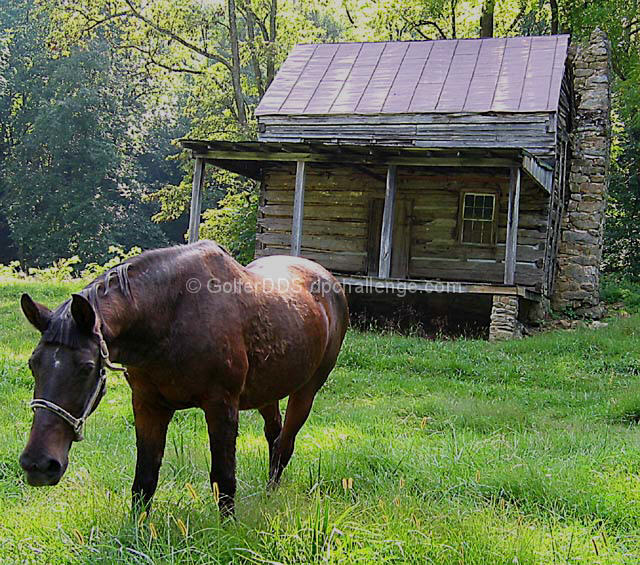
{"points": [[533, 132]]}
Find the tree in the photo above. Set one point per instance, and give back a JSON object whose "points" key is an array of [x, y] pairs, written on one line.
{"points": [[68, 185], [486, 19]]}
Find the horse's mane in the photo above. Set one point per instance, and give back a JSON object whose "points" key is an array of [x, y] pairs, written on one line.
{"points": [[62, 329]]}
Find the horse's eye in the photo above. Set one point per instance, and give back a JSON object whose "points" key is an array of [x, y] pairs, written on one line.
{"points": [[86, 368]]}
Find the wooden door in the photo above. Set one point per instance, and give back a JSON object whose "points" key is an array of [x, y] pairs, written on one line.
{"points": [[401, 237]]}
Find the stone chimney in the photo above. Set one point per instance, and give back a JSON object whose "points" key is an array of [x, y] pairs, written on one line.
{"points": [[577, 284]]}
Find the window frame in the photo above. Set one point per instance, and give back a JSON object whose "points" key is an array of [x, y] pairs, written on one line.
{"points": [[493, 221]]}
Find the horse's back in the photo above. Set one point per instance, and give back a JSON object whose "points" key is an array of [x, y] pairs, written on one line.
{"points": [[311, 276]]}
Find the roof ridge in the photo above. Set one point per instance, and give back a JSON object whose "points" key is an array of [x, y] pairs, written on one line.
{"points": [[434, 40]]}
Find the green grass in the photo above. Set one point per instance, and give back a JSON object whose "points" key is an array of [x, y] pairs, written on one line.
{"points": [[461, 452]]}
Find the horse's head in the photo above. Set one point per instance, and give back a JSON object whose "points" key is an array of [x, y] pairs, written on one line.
{"points": [[69, 382]]}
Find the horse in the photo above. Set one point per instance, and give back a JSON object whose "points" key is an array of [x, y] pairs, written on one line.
{"points": [[193, 328]]}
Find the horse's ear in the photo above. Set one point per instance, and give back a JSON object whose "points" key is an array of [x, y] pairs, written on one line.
{"points": [[83, 313], [37, 314]]}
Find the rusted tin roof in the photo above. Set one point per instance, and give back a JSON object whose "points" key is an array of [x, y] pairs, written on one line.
{"points": [[516, 74]]}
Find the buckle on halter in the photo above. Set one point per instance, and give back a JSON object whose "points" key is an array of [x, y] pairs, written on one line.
{"points": [[104, 350]]}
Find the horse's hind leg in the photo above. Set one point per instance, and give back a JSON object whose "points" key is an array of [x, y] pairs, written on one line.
{"points": [[272, 427], [298, 409]]}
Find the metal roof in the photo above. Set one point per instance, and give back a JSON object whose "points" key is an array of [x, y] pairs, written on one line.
{"points": [[515, 74]]}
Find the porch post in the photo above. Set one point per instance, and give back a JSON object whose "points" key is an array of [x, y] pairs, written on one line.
{"points": [[512, 226], [298, 209], [386, 235], [196, 200]]}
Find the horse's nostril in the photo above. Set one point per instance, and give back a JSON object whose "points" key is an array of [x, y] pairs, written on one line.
{"points": [[27, 463], [53, 468]]}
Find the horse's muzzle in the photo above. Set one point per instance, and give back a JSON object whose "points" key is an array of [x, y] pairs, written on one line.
{"points": [[41, 470]]}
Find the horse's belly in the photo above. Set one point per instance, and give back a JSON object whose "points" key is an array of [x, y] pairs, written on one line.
{"points": [[285, 361]]}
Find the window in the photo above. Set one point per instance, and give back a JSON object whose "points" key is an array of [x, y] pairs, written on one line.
{"points": [[478, 218]]}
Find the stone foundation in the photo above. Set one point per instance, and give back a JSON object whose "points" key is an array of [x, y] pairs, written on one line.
{"points": [[504, 318], [577, 284]]}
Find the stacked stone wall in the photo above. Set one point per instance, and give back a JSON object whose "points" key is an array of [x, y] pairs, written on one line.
{"points": [[580, 249], [504, 318]]}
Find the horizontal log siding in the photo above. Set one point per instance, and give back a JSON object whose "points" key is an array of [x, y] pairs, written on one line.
{"points": [[337, 206], [535, 132], [336, 209]]}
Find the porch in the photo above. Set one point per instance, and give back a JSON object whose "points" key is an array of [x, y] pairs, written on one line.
{"points": [[380, 273]]}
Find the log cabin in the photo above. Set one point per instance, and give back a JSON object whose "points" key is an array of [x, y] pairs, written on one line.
{"points": [[469, 174]]}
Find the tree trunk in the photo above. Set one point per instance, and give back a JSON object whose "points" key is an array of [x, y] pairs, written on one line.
{"points": [[486, 18], [453, 19], [271, 47], [555, 23], [235, 64], [255, 62]]}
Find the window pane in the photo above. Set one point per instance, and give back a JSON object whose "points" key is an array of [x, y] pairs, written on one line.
{"points": [[478, 206], [477, 220]]}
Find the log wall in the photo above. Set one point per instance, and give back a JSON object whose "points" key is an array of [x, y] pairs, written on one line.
{"points": [[337, 208]]}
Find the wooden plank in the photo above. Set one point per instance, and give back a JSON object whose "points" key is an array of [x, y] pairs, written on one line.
{"points": [[512, 226], [426, 118], [298, 210], [317, 211], [437, 286], [542, 175], [386, 235], [347, 229], [337, 262], [329, 243], [401, 239], [196, 200], [481, 272], [415, 160], [376, 207]]}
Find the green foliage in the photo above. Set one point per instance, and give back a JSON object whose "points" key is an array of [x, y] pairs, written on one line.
{"points": [[92, 270], [617, 288], [68, 186], [11, 271], [68, 269], [233, 224], [459, 452], [61, 270]]}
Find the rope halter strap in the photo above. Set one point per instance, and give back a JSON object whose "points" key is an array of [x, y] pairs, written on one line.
{"points": [[98, 392]]}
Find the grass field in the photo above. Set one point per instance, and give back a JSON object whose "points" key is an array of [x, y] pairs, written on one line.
{"points": [[461, 452]]}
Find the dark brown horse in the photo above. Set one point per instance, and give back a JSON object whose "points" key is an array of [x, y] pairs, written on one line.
{"points": [[194, 328]]}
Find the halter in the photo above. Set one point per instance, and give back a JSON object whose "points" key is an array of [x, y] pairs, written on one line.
{"points": [[96, 395]]}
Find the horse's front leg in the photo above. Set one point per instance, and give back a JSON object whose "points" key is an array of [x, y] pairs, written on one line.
{"points": [[222, 421], [152, 421]]}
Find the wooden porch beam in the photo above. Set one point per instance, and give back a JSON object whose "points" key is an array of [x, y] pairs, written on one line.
{"points": [[512, 226], [196, 200], [346, 158], [298, 209], [386, 235]]}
